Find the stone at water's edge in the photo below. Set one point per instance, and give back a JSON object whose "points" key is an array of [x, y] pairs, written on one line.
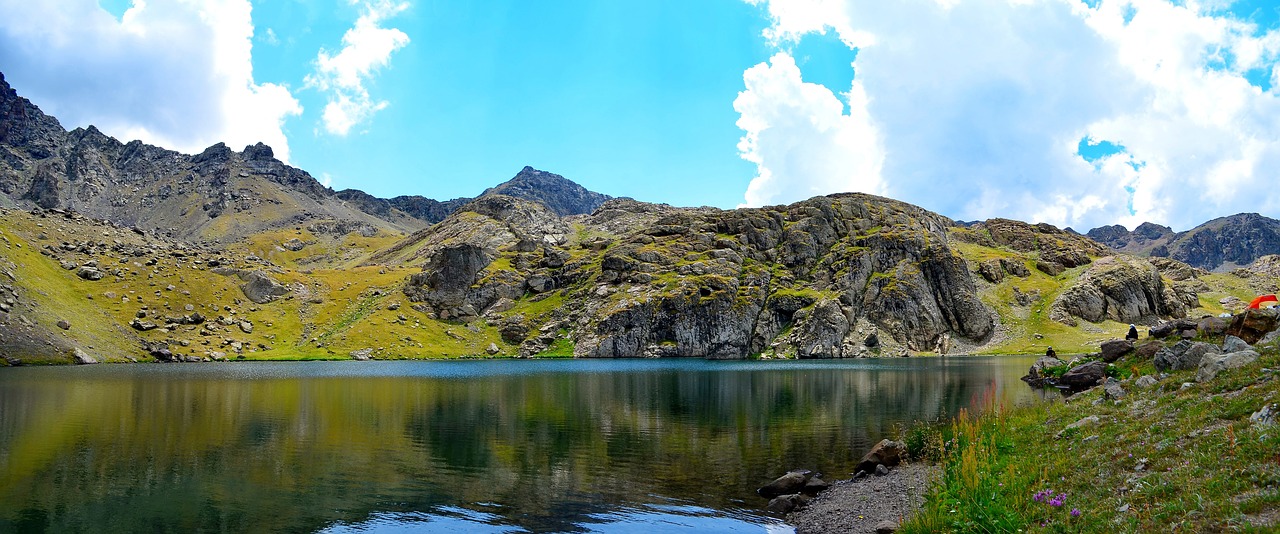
{"points": [[792, 482], [887, 452], [82, 357], [1084, 376]]}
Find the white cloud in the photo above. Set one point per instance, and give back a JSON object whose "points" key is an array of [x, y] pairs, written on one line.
{"points": [[174, 73], [979, 106], [366, 48], [802, 142]]}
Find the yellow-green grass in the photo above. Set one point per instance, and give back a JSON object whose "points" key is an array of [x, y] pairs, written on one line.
{"points": [[1166, 459]]}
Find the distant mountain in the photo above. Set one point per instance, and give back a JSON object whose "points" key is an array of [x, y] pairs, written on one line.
{"points": [[1220, 245], [216, 195], [559, 194]]}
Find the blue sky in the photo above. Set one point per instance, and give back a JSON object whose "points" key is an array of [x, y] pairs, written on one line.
{"points": [[1063, 111]]}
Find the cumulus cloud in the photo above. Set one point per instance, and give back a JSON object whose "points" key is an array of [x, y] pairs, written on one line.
{"points": [[366, 48], [802, 142], [175, 73], [979, 107]]}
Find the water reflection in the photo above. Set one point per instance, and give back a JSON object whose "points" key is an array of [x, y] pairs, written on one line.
{"points": [[586, 446]]}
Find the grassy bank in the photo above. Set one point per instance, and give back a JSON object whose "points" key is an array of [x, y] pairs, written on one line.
{"points": [[1169, 458]]}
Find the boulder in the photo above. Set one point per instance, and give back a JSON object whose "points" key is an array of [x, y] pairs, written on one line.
{"points": [[1234, 344], [1148, 350], [1184, 355], [1084, 376], [362, 354], [90, 273], [1252, 325], [1213, 364], [1145, 382], [294, 245], [63, 324], [790, 483], [1084, 422], [1114, 349], [1051, 268], [1172, 328], [991, 270], [83, 358], [1264, 417], [260, 288], [786, 504], [887, 452], [142, 326], [1036, 376], [886, 527], [1112, 389], [815, 485], [1015, 267], [492, 349]]}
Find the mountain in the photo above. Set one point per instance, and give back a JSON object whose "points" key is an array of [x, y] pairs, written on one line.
{"points": [[119, 251], [1219, 245], [217, 195], [559, 194]]}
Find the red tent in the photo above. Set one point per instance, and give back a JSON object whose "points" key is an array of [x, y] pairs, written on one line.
{"points": [[1257, 303]]}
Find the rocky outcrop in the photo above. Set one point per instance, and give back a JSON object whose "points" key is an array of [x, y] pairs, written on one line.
{"points": [[816, 279], [261, 288], [1184, 355], [1054, 246], [1118, 288]]}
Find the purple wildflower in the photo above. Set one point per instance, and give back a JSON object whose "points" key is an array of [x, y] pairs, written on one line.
{"points": [[1075, 512]]}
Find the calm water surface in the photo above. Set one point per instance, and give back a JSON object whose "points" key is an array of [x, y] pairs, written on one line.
{"points": [[465, 446]]}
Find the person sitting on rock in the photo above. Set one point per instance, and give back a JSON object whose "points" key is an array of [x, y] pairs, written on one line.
{"points": [[1050, 353], [1133, 333]]}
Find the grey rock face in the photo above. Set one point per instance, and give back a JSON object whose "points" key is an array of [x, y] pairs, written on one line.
{"points": [[1183, 355], [1234, 344], [1115, 349], [1123, 289]]}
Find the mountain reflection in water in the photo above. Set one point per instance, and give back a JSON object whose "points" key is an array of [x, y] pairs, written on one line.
{"points": [[483, 446]]}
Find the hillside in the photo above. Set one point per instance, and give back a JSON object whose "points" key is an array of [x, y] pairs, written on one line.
{"points": [[1219, 245]]}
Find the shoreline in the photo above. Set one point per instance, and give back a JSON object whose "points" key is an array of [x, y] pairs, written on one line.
{"points": [[874, 503]]}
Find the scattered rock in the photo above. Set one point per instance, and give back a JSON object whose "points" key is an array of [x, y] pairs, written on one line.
{"points": [[1145, 382], [1115, 349], [1113, 390], [1184, 355], [785, 504], [1264, 417], [1084, 422], [1234, 344], [63, 324], [492, 349], [881, 470], [362, 354], [1213, 364], [82, 358], [246, 327], [142, 326], [260, 288], [90, 274], [294, 245]]}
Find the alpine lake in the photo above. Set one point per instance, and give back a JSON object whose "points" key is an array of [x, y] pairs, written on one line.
{"points": [[460, 446]]}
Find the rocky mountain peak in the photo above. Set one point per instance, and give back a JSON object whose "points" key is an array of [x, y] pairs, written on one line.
{"points": [[557, 193]]}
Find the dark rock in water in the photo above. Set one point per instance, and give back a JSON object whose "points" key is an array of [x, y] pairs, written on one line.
{"points": [[815, 485], [1115, 349], [1084, 376], [786, 504], [887, 452], [1184, 355], [792, 482], [1036, 376]]}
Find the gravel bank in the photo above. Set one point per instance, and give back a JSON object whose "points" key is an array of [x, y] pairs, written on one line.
{"points": [[858, 506]]}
